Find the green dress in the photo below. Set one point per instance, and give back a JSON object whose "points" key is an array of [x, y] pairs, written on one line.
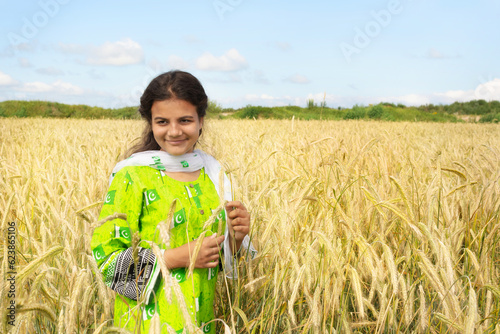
{"points": [[145, 194]]}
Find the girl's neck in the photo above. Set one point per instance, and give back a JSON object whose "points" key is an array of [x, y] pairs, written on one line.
{"points": [[183, 176]]}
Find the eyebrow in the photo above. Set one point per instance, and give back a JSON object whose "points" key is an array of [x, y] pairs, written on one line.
{"points": [[159, 118]]}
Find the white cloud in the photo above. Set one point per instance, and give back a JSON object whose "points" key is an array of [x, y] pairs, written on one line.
{"points": [[154, 66], [259, 77], [6, 80], [283, 46], [455, 96], [489, 90], [49, 71], [408, 99], [433, 53], [436, 54], [13, 50], [26, 47], [72, 48], [67, 88], [298, 79], [124, 52], [24, 62], [265, 97], [176, 62], [59, 87], [36, 87], [191, 39], [269, 100], [97, 75], [224, 78], [232, 60]]}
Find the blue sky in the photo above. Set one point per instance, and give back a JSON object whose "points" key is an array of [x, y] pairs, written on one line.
{"points": [[251, 51]]}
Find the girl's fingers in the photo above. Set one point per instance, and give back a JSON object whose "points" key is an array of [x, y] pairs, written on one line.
{"points": [[236, 204], [240, 222], [214, 240], [237, 222], [241, 228], [212, 264], [238, 213]]}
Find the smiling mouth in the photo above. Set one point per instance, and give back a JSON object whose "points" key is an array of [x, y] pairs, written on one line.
{"points": [[173, 142]]}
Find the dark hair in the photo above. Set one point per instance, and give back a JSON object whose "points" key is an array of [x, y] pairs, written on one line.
{"points": [[170, 85]]}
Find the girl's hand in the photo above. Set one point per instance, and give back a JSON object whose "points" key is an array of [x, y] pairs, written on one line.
{"points": [[208, 255], [239, 221]]}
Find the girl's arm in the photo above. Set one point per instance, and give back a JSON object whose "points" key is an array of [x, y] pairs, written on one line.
{"points": [[111, 242], [239, 224], [208, 255]]}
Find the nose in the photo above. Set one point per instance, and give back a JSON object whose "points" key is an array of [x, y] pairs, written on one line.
{"points": [[174, 130]]}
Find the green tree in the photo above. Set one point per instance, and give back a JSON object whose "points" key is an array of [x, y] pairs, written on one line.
{"points": [[376, 112], [310, 104]]}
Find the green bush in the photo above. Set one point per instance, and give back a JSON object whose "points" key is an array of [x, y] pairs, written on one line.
{"points": [[21, 112], [429, 113], [389, 117], [214, 108], [376, 112], [490, 118], [356, 112], [310, 104], [250, 112], [255, 112]]}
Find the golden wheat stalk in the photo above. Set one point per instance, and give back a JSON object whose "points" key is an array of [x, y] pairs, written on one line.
{"points": [[33, 265], [323, 198]]}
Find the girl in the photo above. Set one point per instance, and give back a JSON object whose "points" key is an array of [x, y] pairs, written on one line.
{"points": [[165, 168]]}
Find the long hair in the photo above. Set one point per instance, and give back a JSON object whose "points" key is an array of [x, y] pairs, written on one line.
{"points": [[170, 85]]}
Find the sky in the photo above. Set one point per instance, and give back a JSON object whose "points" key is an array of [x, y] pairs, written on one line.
{"points": [[252, 52]]}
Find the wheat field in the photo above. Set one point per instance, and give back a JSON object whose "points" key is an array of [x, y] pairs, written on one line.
{"points": [[361, 227]]}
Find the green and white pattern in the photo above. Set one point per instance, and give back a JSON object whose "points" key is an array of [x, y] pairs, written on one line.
{"points": [[145, 196], [140, 188]]}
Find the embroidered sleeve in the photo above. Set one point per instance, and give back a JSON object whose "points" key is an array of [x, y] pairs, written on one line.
{"points": [[112, 241], [122, 275]]}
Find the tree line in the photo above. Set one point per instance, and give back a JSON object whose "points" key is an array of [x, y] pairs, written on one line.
{"points": [[484, 111]]}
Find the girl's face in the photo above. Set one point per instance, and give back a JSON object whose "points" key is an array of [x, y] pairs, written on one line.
{"points": [[176, 125]]}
